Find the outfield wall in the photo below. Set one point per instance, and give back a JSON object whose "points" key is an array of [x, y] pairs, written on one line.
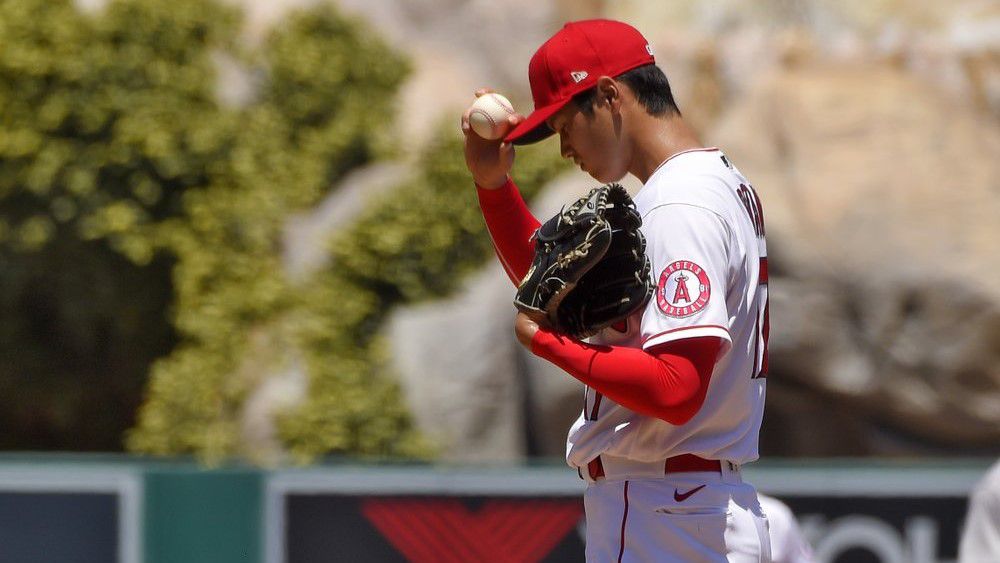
{"points": [[119, 509]]}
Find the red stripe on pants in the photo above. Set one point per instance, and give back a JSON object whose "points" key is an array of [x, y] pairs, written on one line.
{"points": [[621, 551]]}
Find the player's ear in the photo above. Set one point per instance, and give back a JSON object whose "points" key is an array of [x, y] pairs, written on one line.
{"points": [[608, 92]]}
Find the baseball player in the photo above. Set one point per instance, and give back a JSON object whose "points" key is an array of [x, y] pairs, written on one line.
{"points": [[675, 393], [788, 543], [981, 536]]}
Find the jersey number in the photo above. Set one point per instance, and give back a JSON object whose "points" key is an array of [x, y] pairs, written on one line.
{"points": [[751, 203], [763, 329]]}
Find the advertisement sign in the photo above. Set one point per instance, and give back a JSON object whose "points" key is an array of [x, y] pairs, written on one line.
{"points": [[848, 515], [70, 515]]}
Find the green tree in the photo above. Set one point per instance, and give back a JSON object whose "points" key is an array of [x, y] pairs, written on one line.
{"points": [[136, 213], [141, 225], [105, 123], [415, 244]]}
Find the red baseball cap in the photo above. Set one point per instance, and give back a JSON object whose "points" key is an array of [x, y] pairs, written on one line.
{"points": [[570, 62]]}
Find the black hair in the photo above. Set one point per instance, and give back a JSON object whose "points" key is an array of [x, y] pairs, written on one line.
{"points": [[647, 82]]}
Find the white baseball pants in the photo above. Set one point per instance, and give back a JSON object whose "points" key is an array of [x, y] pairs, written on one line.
{"points": [[678, 518]]}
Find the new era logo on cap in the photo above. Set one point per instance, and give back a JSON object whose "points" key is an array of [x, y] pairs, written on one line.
{"points": [[578, 75]]}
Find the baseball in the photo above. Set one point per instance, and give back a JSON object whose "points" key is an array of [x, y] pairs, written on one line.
{"points": [[488, 116]]}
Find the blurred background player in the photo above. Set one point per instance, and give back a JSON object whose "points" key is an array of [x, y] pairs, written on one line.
{"points": [[981, 538], [788, 545]]}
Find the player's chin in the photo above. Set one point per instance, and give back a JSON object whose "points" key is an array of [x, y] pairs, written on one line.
{"points": [[604, 176]]}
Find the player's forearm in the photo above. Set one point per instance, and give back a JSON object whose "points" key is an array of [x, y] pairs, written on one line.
{"points": [[666, 385], [511, 225]]}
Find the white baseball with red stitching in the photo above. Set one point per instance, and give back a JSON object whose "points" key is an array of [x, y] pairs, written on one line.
{"points": [[488, 116]]}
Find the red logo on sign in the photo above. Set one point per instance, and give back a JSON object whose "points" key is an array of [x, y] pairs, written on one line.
{"points": [[430, 531], [687, 286]]}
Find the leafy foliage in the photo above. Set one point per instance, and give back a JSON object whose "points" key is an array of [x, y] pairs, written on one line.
{"points": [[412, 245], [106, 122], [256, 322], [142, 219], [242, 319]]}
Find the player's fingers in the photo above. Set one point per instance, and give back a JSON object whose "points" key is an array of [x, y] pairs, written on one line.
{"points": [[506, 148], [525, 328], [513, 121], [465, 120], [484, 91]]}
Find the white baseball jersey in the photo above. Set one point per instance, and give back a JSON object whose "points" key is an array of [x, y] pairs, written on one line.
{"points": [[704, 232]]}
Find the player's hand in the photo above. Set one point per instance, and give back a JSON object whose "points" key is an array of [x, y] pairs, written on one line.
{"points": [[489, 161], [525, 329]]}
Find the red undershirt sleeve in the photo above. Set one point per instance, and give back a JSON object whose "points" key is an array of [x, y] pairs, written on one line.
{"points": [[668, 382], [511, 225]]}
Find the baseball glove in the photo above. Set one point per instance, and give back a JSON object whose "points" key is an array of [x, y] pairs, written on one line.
{"points": [[590, 268]]}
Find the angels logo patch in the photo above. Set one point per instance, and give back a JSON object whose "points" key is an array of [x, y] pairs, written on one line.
{"points": [[683, 289]]}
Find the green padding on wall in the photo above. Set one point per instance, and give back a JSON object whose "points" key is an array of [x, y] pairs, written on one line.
{"points": [[203, 516]]}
